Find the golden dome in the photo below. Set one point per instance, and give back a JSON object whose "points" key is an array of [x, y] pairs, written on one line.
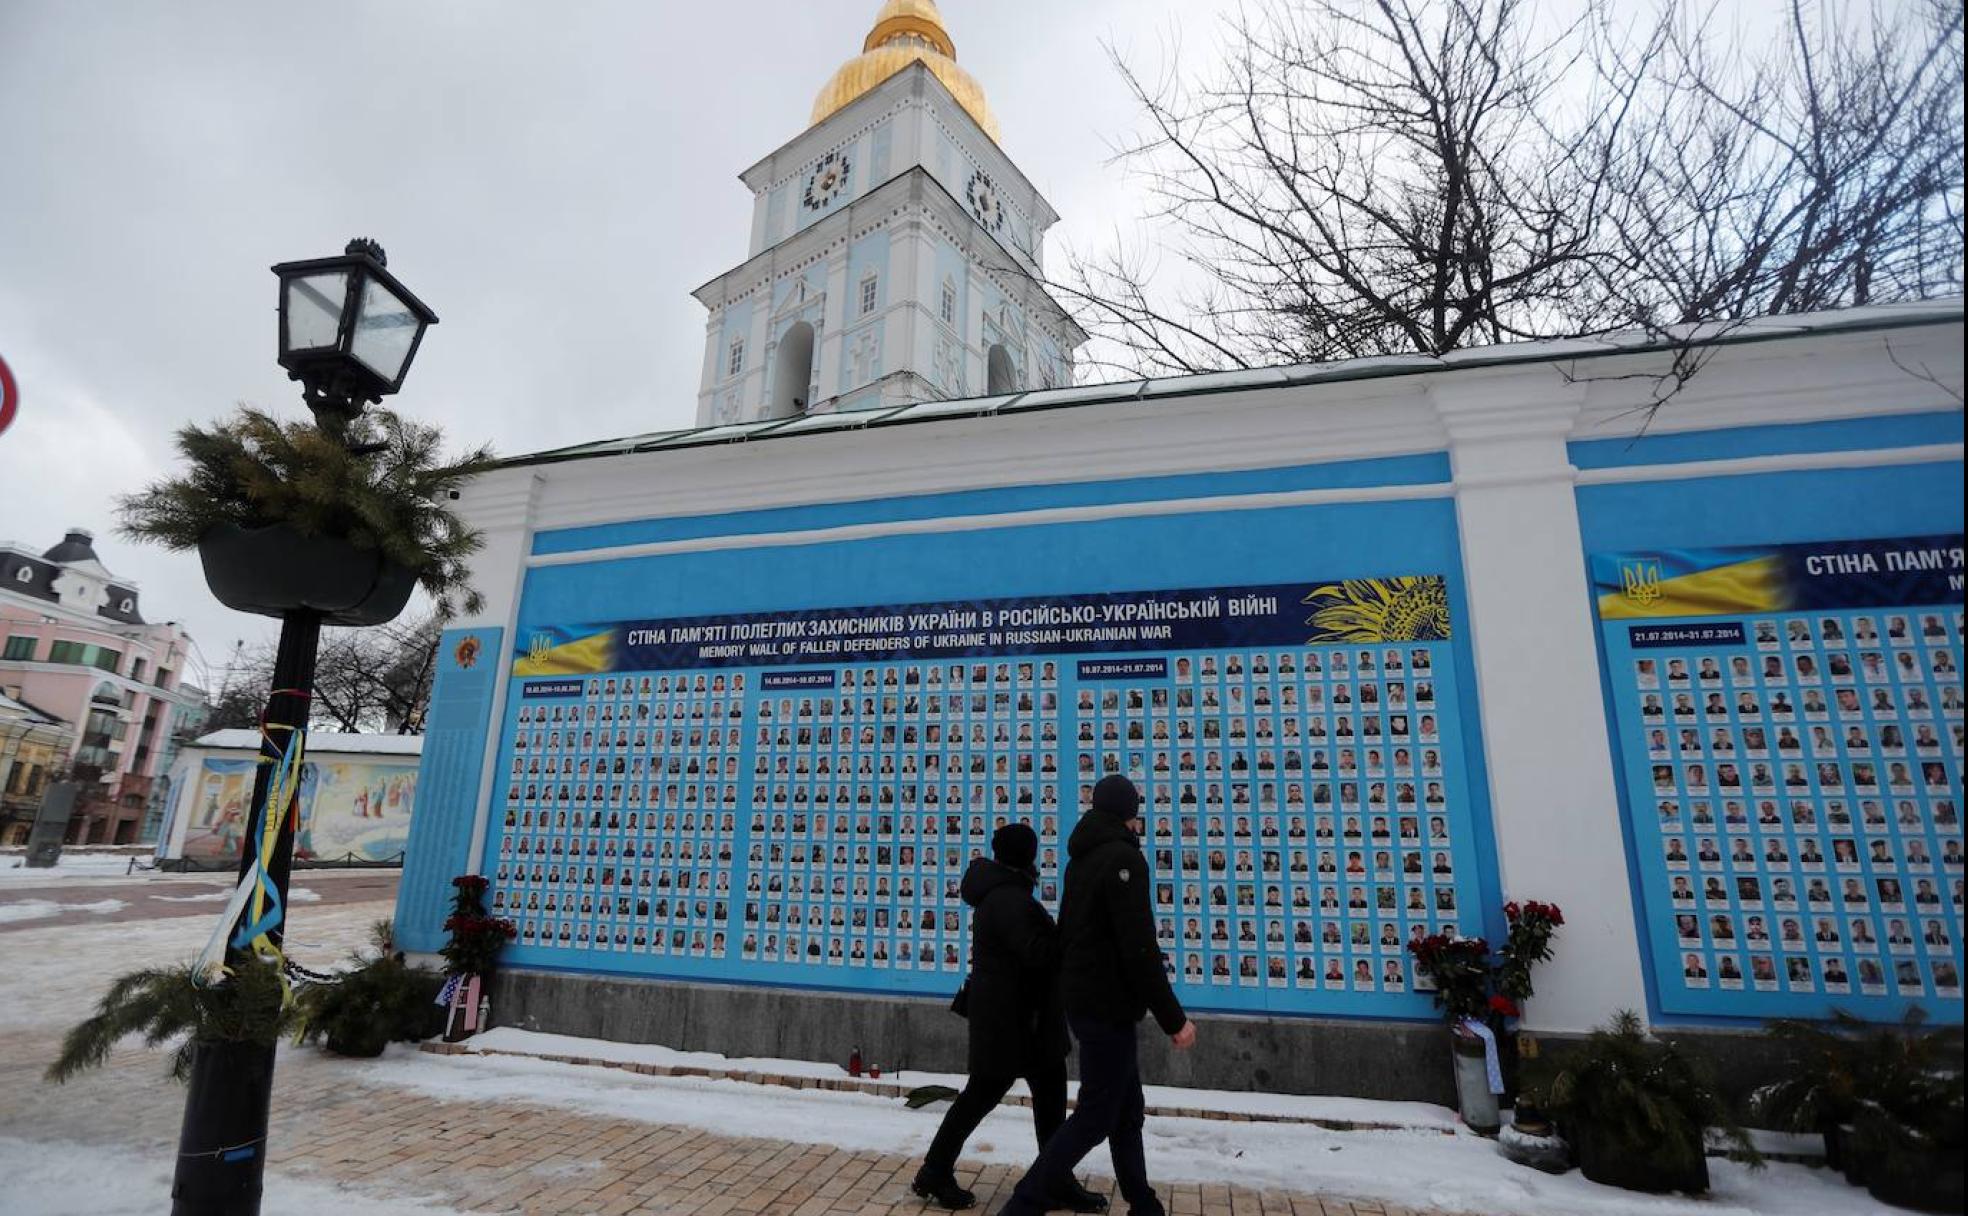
{"points": [[905, 32]]}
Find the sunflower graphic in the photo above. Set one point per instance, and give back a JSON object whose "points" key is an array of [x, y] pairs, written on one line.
{"points": [[467, 650], [1406, 608]]}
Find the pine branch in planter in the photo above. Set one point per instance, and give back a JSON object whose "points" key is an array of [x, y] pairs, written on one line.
{"points": [[1643, 1100], [253, 470], [383, 1000], [163, 1003]]}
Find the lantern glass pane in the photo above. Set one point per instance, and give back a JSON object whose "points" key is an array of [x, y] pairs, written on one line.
{"points": [[314, 309], [385, 329]]}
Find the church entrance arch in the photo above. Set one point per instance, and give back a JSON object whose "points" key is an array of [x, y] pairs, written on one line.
{"points": [[792, 372], [999, 375]]}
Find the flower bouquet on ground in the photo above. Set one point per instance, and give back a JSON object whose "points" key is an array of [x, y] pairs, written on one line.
{"points": [[470, 956], [1481, 994]]}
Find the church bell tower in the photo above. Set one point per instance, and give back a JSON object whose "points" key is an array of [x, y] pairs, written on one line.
{"points": [[896, 251]]}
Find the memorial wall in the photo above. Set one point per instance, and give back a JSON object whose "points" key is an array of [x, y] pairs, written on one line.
{"points": [[1791, 722], [793, 797], [740, 715]]}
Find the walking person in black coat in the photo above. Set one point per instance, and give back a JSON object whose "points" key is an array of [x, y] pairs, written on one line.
{"points": [[1017, 1026], [1111, 977]]}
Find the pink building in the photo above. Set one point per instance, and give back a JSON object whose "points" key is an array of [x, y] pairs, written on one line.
{"points": [[74, 647]]}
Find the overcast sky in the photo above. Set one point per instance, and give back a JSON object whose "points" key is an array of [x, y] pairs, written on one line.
{"points": [[554, 179]]}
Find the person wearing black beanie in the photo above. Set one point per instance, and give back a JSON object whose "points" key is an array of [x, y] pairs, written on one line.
{"points": [[1111, 976], [1017, 1027]]}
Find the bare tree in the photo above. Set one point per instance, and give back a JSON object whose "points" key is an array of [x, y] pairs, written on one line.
{"points": [[1365, 177], [240, 703], [374, 680], [1818, 169], [409, 664]]}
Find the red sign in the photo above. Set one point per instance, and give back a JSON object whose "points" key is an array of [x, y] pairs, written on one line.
{"points": [[9, 396]]}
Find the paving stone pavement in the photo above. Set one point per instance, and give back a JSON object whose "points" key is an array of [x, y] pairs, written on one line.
{"points": [[526, 1159]]}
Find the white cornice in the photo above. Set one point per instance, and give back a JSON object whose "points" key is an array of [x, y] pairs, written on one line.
{"points": [[1816, 377], [1225, 503], [1094, 443], [1502, 411], [1210, 504], [1789, 462]]}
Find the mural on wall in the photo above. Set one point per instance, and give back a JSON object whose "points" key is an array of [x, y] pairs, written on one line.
{"points": [[349, 806], [359, 807], [793, 797], [1791, 733], [221, 795]]}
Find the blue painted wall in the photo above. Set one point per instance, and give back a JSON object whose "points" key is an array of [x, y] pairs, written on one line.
{"points": [[460, 717], [1772, 508], [1291, 545]]}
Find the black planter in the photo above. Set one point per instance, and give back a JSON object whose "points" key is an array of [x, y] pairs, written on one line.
{"points": [[1852, 1162], [275, 570], [1834, 1142], [364, 1043], [1606, 1164], [222, 1144], [1925, 1182]]}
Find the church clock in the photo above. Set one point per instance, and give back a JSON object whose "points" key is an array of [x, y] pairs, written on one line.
{"points": [[984, 202], [828, 180]]}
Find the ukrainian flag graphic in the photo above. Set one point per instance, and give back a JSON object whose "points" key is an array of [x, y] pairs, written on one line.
{"points": [[560, 652], [1690, 582]]}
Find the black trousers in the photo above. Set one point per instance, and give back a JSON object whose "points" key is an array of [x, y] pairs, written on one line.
{"points": [[1110, 1108], [981, 1095]]}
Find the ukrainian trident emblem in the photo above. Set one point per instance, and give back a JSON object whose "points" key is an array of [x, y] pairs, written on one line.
{"points": [[538, 645], [1640, 581]]}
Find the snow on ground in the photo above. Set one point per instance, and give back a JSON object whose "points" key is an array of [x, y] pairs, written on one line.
{"points": [[1294, 1106], [37, 909], [65, 1179], [13, 868], [54, 975], [1420, 1168], [299, 895]]}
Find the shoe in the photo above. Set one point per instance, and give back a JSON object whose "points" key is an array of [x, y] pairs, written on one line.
{"points": [[1076, 1198], [942, 1190]]}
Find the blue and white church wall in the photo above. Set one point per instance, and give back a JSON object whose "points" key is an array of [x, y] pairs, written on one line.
{"points": [[1161, 563], [902, 195]]}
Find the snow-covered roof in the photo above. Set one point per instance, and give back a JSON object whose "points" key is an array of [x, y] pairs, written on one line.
{"points": [[321, 741], [1720, 333]]}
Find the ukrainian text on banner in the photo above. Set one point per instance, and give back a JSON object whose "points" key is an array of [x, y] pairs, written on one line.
{"points": [[1400, 609], [1791, 742]]}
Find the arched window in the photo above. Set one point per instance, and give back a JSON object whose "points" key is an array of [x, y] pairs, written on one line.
{"points": [[735, 360], [792, 372], [999, 375], [868, 294]]}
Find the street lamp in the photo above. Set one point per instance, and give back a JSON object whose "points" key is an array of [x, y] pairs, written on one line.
{"points": [[348, 330]]}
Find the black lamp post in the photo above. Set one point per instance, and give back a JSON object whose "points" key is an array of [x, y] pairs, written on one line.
{"points": [[348, 332]]}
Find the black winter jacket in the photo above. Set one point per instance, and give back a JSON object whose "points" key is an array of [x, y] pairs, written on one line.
{"points": [[1110, 966], [1016, 1023]]}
